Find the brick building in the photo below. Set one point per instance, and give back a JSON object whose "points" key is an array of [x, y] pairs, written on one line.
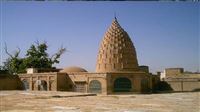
{"points": [[117, 70]]}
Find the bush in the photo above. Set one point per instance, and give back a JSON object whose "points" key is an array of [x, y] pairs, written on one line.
{"points": [[162, 86]]}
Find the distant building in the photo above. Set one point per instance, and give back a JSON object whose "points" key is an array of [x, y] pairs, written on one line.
{"points": [[181, 81], [171, 72]]}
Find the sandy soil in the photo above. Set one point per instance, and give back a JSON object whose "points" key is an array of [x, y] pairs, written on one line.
{"points": [[24, 101]]}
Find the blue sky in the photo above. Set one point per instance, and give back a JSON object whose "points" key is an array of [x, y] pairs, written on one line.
{"points": [[164, 34]]}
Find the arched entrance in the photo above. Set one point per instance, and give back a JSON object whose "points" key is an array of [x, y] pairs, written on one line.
{"points": [[25, 84], [42, 85], [122, 84], [95, 86]]}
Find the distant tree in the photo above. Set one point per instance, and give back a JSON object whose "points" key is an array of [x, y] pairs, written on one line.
{"points": [[14, 64], [162, 86], [36, 57]]}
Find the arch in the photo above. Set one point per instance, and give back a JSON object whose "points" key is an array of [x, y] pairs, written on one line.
{"points": [[42, 85], [95, 86], [25, 84], [122, 84]]}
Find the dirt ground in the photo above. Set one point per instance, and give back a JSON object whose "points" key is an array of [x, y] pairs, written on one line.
{"points": [[24, 101]]}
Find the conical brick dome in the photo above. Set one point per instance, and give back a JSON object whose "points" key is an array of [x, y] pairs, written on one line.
{"points": [[117, 52]]}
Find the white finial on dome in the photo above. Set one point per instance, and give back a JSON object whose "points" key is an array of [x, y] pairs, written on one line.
{"points": [[115, 16]]}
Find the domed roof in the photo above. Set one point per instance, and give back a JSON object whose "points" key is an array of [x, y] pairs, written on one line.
{"points": [[73, 69], [116, 52]]}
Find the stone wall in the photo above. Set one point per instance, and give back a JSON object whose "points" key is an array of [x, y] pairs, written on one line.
{"points": [[63, 82], [184, 85], [189, 84], [81, 81], [140, 82], [10, 82], [101, 78], [34, 79]]}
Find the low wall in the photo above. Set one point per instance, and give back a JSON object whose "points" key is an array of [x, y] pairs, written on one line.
{"points": [[10, 82], [189, 84]]}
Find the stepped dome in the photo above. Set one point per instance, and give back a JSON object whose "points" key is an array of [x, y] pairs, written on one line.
{"points": [[117, 52]]}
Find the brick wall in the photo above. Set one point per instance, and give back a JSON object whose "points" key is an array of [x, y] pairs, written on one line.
{"points": [[181, 84], [10, 82]]}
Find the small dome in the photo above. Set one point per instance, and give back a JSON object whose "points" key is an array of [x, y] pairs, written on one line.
{"points": [[73, 69]]}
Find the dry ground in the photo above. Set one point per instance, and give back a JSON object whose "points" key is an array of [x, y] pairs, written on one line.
{"points": [[24, 101]]}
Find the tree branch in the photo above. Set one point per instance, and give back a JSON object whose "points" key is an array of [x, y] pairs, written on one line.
{"points": [[17, 52], [55, 56], [6, 50]]}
